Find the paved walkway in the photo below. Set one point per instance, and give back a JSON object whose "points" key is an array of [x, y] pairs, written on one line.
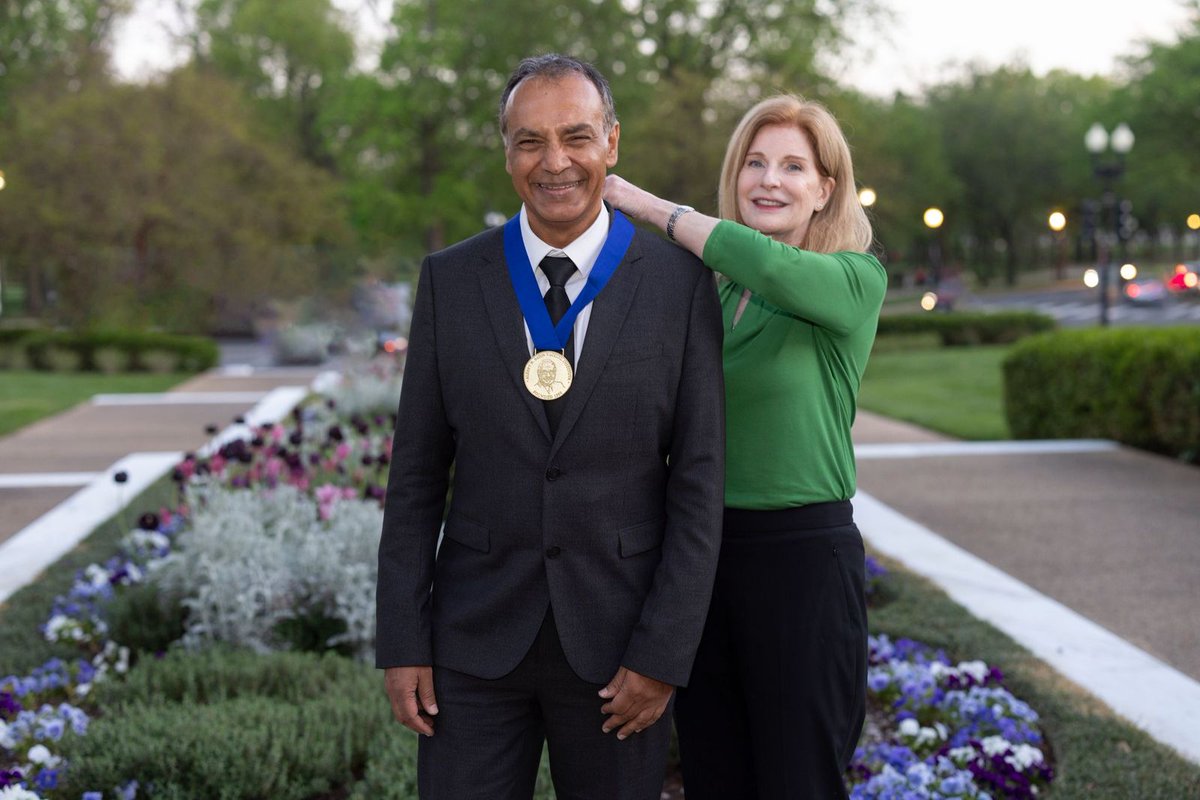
{"points": [[56, 475], [1087, 552], [1100, 541]]}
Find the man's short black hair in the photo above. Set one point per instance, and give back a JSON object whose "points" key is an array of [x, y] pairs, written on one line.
{"points": [[554, 66]]}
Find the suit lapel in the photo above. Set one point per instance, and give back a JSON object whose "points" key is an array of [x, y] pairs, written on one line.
{"points": [[508, 328], [609, 310]]}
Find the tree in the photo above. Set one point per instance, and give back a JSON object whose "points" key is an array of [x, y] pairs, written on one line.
{"points": [[1161, 102], [421, 144], [161, 205], [898, 152], [289, 57], [43, 38], [1010, 138]]}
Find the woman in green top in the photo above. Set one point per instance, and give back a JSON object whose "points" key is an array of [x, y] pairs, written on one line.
{"points": [[777, 696]]}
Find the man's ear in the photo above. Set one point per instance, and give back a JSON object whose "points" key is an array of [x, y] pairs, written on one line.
{"points": [[614, 137]]}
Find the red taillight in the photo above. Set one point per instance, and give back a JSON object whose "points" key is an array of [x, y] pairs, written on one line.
{"points": [[1133, 290]]}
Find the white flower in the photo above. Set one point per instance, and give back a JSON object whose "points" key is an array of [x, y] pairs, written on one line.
{"points": [[995, 745], [40, 754], [96, 575], [17, 793], [961, 755], [910, 727], [1024, 756], [7, 740], [976, 669]]}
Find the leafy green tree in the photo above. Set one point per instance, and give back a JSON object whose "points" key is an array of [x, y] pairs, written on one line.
{"points": [[898, 153], [419, 139], [63, 39], [289, 57], [1010, 138], [1161, 103], [161, 205]]}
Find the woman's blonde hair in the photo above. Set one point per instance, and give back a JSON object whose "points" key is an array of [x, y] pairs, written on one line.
{"points": [[841, 224]]}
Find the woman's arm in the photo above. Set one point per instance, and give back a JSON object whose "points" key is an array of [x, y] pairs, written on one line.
{"points": [[836, 291], [691, 229]]}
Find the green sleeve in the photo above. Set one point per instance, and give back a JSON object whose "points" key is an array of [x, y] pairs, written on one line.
{"points": [[836, 291]]}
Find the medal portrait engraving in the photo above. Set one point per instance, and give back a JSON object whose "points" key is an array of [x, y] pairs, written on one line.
{"points": [[548, 375]]}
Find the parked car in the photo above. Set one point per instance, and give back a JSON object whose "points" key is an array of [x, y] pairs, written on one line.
{"points": [[1145, 292]]}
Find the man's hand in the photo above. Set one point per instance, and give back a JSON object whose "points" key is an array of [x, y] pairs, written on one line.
{"points": [[635, 702], [410, 690]]}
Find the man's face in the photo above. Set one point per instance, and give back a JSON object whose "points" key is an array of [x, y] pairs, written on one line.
{"points": [[558, 153], [547, 373]]}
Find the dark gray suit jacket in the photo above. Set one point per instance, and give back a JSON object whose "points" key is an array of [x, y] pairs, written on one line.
{"points": [[615, 522]]}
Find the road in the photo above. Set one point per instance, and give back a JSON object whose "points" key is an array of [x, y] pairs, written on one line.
{"points": [[1081, 307]]}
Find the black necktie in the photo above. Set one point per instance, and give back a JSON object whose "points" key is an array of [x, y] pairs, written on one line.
{"points": [[558, 269]]}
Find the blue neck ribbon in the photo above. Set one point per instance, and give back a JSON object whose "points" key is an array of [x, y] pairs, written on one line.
{"points": [[545, 335]]}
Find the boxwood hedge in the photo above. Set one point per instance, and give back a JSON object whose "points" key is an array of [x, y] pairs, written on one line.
{"points": [[105, 351], [1136, 385], [958, 328]]}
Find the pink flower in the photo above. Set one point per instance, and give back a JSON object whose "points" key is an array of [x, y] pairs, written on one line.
{"points": [[342, 452], [327, 494]]}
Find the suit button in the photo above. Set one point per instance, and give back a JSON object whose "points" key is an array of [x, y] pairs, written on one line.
{"points": [[553, 473], [553, 551]]}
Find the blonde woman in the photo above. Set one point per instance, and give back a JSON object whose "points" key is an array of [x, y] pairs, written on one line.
{"points": [[776, 699]]}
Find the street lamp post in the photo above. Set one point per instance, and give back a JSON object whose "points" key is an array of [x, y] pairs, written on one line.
{"points": [[1057, 221], [933, 219], [1097, 140]]}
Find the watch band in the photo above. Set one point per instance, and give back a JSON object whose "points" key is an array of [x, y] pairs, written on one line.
{"points": [[675, 215]]}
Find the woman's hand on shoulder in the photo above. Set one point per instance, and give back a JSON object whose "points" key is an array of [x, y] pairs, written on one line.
{"points": [[631, 200]]}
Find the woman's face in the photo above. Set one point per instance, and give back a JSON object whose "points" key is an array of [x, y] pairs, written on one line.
{"points": [[779, 187]]}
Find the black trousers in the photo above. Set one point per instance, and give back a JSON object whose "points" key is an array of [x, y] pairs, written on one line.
{"points": [[777, 696], [488, 736]]}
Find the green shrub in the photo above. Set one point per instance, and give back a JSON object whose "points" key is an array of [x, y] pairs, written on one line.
{"points": [[1139, 386], [229, 725], [111, 360], [143, 620], [218, 674], [959, 328], [12, 347], [108, 351]]}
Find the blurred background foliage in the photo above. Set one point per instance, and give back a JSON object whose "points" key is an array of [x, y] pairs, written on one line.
{"points": [[277, 162]]}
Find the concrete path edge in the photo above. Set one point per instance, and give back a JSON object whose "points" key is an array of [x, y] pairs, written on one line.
{"points": [[1139, 687]]}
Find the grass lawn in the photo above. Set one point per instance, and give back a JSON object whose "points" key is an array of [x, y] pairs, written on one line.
{"points": [[27, 396], [954, 390]]}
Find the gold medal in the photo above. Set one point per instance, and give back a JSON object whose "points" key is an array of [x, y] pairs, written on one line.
{"points": [[548, 375]]}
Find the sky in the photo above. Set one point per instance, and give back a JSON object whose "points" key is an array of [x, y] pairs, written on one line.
{"points": [[1082, 36]]}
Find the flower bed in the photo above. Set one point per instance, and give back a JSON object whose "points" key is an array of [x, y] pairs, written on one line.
{"points": [[942, 730], [273, 548]]}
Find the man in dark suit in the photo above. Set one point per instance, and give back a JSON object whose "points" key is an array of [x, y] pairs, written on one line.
{"points": [[567, 596]]}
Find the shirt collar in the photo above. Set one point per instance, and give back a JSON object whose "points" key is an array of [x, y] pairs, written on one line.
{"points": [[583, 251]]}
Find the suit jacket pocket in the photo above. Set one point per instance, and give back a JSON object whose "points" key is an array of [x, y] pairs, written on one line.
{"points": [[627, 355], [468, 533], [640, 538]]}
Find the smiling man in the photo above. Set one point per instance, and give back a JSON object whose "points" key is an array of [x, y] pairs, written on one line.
{"points": [[569, 591]]}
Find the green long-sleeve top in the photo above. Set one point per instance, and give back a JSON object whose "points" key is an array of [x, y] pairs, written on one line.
{"points": [[793, 365]]}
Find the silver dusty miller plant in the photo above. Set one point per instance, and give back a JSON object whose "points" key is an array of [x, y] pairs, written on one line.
{"points": [[253, 559]]}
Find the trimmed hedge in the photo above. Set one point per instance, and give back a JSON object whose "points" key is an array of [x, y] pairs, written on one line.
{"points": [[1139, 386], [105, 351], [960, 328]]}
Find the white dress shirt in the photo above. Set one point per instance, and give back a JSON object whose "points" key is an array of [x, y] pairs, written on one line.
{"points": [[583, 252]]}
